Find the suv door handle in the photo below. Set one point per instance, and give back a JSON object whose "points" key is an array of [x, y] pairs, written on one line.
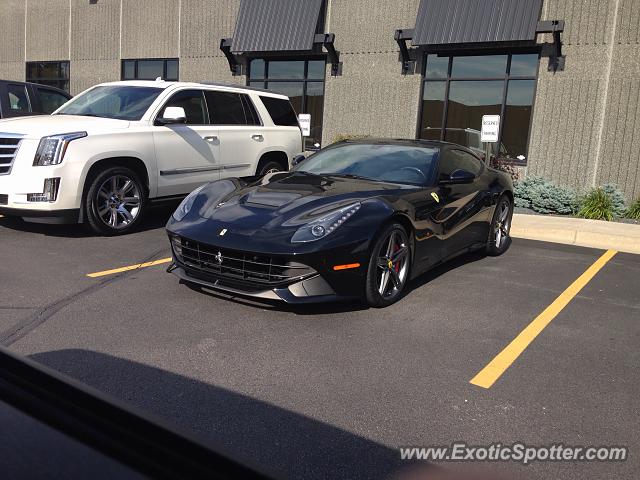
{"points": [[257, 137], [211, 138]]}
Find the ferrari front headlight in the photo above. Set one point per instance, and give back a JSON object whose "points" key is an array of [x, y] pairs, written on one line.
{"points": [[324, 226], [185, 207]]}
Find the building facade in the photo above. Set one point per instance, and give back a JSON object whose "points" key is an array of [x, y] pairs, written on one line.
{"points": [[573, 119]]}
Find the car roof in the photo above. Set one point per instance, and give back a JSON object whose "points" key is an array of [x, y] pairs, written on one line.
{"points": [[18, 82], [402, 141], [164, 85]]}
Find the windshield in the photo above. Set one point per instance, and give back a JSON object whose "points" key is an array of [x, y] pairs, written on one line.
{"points": [[387, 163], [112, 101]]}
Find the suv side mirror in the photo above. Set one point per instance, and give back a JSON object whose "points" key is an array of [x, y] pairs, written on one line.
{"points": [[459, 176], [298, 159], [172, 115]]}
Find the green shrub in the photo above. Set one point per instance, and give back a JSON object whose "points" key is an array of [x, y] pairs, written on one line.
{"points": [[634, 210], [543, 196], [617, 198], [597, 205]]}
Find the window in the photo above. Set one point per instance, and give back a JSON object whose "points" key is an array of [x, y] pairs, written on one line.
{"points": [[302, 81], [113, 101], [166, 69], [18, 98], [194, 106], [453, 160], [54, 74], [228, 108], [459, 90], [50, 100], [281, 111], [412, 165]]}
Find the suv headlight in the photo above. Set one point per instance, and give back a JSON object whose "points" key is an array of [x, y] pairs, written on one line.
{"points": [[185, 207], [51, 149], [324, 226]]}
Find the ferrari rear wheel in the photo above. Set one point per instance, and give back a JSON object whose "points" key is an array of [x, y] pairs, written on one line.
{"points": [[389, 267]]}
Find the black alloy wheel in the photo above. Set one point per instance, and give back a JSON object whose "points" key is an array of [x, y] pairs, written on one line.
{"points": [[389, 267]]}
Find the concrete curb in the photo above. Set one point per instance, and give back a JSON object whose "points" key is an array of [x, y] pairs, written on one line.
{"points": [[622, 237]]}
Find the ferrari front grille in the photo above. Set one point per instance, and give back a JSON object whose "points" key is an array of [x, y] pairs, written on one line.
{"points": [[255, 270]]}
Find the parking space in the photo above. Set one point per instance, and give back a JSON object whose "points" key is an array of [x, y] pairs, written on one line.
{"points": [[332, 391]]}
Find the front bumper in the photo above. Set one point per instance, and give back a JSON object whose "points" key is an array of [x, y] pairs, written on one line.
{"points": [[310, 290]]}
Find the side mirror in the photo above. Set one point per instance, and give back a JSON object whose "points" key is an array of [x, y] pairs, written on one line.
{"points": [[172, 115], [298, 159], [458, 177]]}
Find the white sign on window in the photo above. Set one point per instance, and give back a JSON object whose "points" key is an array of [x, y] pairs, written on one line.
{"points": [[304, 119], [490, 128]]}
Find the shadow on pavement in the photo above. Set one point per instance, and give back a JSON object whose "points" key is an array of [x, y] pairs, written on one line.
{"points": [[282, 441], [156, 217]]}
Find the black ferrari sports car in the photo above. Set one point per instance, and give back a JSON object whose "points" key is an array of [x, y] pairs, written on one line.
{"points": [[358, 219]]}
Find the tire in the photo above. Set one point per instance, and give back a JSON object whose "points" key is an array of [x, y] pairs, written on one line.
{"points": [[499, 239], [115, 212], [269, 167], [383, 267]]}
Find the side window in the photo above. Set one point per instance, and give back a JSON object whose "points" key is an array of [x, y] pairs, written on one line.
{"points": [[50, 100], [194, 106], [228, 108], [453, 160], [281, 111], [18, 98]]}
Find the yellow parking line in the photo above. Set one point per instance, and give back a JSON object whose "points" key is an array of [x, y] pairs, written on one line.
{"points": [[492, 372], [130, 267]]}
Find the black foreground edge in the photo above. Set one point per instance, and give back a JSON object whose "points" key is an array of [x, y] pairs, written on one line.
{"points": [[133, 439]]}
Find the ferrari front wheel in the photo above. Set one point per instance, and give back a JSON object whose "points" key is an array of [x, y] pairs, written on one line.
{"points": [[389, 267]]}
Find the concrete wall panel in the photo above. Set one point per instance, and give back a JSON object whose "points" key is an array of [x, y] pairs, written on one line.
{"points": [[96, 30], [12, 31], [203, 23], [87, 73], [47, 30], [150, 28], [12, 71]]}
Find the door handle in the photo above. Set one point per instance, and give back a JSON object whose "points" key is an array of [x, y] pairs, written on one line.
{"points": [[257, 137], [210, 138]]}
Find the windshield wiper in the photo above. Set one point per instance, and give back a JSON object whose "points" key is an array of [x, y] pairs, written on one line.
{"points": [[349, 175]]}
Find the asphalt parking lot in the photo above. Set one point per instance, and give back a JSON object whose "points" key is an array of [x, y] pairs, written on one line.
{"points": [[332, 391]]}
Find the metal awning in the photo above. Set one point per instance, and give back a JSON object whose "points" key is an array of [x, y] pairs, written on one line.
{"points": [[476, 21], [469, 23], [265, 26], [276, 25]]}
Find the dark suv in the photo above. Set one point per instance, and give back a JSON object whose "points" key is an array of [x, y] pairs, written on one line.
{"points": [[19, 99]]}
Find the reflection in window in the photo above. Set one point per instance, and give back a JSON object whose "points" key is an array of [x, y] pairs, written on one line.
{"points": [[518, 116], [479, 85], [166, 69], [433, 107], [53, 74], [301, 80]]}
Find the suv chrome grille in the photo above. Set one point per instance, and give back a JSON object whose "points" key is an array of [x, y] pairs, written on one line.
{"points": [[242, 268], [9, 144]]}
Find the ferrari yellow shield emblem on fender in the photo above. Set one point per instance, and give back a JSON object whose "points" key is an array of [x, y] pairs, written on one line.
{"points": [[435, 197]]}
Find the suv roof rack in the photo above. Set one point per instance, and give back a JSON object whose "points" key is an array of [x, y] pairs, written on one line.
{"points": [[230, 85]]}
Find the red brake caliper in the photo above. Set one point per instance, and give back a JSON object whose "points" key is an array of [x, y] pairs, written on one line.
{"points": [[396, 267]]}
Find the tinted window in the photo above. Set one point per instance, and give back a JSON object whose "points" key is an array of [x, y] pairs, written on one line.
{"points": [[165, 68], [280, 111], [227, 108], [18, 98], [389, 163], [53, 74], [120, 102], [453, 160], [50, 100], [194, 106]]}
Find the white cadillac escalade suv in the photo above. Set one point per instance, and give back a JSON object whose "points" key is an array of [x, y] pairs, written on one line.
{"points": [[101, 158]]}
